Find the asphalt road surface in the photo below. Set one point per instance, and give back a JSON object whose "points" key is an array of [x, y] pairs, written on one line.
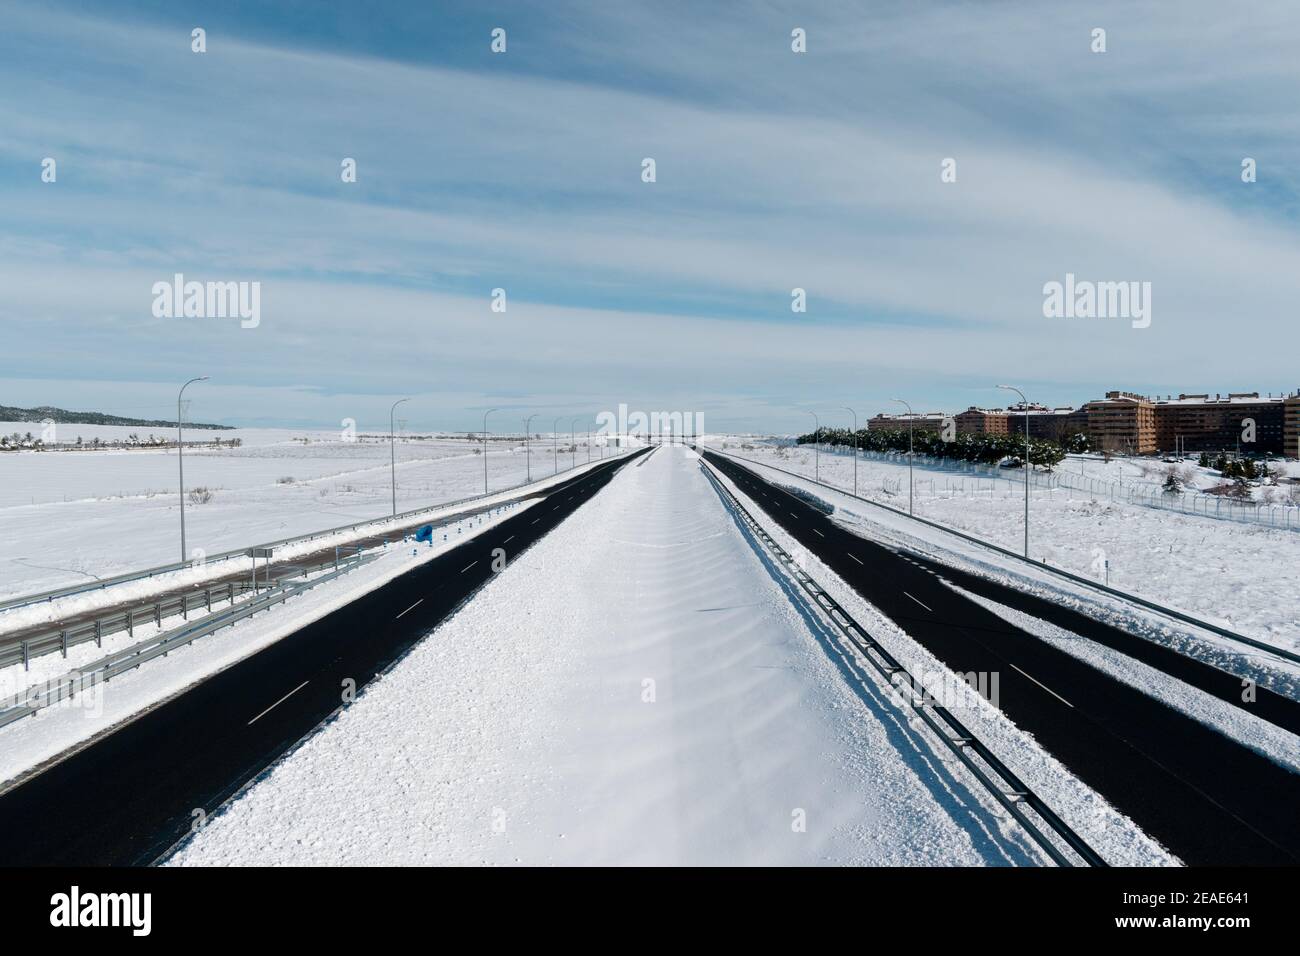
{"points": [[131, 795], [269, 574], [1203, 796]]}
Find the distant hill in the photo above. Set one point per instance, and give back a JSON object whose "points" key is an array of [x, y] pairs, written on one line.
{"points": [[62, 416]]}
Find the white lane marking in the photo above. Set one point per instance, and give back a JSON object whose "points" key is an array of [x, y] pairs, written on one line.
{"points": [[411, 608], [1045, 687], [535, 520], [859, 560], [508, 540], [286, 697], [922, 603], [468, 566], [818, 533], [792, 515]]}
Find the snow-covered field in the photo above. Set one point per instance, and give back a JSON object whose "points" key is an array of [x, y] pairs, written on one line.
{"points": [[638, 688], [75, 516], [1240, 576]]}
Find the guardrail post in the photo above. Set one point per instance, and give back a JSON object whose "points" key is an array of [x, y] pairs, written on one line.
{"points": [[230, 586], [99, 633], [63, 641], [185, 607], [27, 657], [157, 614], [207, 599], [130, 624]]}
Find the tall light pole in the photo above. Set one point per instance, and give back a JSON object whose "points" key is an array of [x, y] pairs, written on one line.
{"points": [[555, 443], [392, 449], [573, 441], [528, 461], [1025, 403], [817, 468], [589, 446], [911, 418], [855, 448], [180, 458], [485, 415]]}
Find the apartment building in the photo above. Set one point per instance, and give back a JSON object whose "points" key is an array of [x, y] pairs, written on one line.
{"points": [[921, 421], [1137, 424], [1129, 423], [982, 421], [1291, 426], [1049, 423]]}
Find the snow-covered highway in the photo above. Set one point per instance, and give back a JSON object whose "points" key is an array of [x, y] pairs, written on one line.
{"points": [[641, 687]]}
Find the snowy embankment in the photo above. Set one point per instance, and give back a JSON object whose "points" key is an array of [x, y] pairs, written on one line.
{"points": [[72, 517], [96, 710], [641, 687], [1235, 575]]}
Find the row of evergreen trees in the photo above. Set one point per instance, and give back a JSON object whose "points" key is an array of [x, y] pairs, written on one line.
{"points": [[985, 449], [1230, 467]]}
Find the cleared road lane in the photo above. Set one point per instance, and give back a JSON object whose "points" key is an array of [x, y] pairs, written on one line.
{"points": [[127, 798], [1207, 798]]}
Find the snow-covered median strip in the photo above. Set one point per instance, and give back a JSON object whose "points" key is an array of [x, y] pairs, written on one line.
{"points": [[1233, 722], [637, 688]]}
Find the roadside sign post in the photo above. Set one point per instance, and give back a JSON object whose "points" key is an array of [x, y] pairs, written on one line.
{"points": [[265, 554]]}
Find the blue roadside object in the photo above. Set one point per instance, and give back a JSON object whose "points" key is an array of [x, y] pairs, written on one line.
{"points": [[425, 533]]}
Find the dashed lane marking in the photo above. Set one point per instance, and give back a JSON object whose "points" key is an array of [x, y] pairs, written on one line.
{"points": [[411, 608], [1045, 687], [304, 684], [924, 605]]}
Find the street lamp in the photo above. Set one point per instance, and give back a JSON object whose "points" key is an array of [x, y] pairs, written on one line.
{"points": [[911, 418], [817, 472], [180, 458], [528, 462], [855, 448], [485, 436], [589, 446], [1025, 404], [392, 450], [555, 443], [573, 442]]}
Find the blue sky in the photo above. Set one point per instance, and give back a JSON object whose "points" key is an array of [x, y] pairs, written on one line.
{"points": [[522, 171]]}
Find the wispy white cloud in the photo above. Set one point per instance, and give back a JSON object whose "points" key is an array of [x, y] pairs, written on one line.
{"points": [[775, 171]]}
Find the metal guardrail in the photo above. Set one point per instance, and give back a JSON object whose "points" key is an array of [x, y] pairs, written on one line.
{"points": [[24, 600], [1041, 565], [996, 777], [39, 697], [22, 650]]}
